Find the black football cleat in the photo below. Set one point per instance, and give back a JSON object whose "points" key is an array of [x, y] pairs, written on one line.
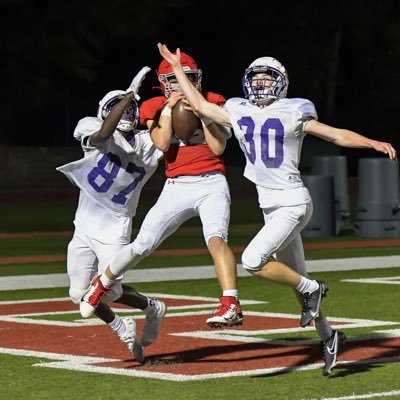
{"points": [[331, 349]]}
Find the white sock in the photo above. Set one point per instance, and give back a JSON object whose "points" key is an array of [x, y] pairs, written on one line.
{"points": [[324, 329], [307, 285], [150, 306], [106, 282], [117, 325], [231, 293]]}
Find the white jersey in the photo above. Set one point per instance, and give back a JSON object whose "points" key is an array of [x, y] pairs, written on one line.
{"points": [[111, 177], [271, 139]]}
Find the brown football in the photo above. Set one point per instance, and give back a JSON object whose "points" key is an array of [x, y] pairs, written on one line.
{"points": [[184, 122]]}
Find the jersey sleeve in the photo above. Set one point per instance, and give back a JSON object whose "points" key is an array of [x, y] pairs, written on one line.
{"points": [[85, 128], [229, 104], [308, 113], [308, 110], [151, 109], [305, 111], [232, 106], [215, 98], [144, 143]]}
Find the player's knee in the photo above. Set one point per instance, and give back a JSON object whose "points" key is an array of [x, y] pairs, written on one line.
{"points": [[126, 259], [76, 295], [143, 245], [216, 243], [252, 261], [215, 235]]}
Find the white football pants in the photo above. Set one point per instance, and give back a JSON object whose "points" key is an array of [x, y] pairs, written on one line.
{"points": [[87, 258], [280, 236], [182, 198]]}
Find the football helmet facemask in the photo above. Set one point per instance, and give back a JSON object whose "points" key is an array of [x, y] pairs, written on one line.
{"points": [[130, 117], [261, 92], [165, 73]]}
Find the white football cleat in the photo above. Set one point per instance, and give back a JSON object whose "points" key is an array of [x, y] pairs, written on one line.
{"points": [[153, 321], [131, 340]]}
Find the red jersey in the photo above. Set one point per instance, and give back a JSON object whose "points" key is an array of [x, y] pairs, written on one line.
{"points": [[192, 157]]}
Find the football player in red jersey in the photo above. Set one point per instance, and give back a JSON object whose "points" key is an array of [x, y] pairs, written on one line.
{"points": [[195, 187]]}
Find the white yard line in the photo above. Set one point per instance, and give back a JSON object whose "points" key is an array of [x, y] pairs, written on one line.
{"points": [[197, 272], [377, 395]]}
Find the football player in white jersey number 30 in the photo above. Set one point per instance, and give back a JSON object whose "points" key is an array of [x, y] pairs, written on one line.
{"points": [[118, 161], [270, 129]]}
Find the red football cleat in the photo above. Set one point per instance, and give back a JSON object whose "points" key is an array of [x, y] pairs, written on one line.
{"points": [[227, 314], [91, 299]]}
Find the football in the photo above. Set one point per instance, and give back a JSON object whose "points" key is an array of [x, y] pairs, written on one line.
{"points": [[184, 122]]}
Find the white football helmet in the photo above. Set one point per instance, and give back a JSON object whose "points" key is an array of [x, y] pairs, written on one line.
{"points": [[130, 117], [260, 93]]}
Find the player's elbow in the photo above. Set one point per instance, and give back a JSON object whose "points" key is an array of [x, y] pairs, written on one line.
{"points": [[162, 145], [217, 150], [160, 141]]}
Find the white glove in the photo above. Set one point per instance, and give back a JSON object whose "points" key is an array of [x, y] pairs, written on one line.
{"points": [[137, 81]]}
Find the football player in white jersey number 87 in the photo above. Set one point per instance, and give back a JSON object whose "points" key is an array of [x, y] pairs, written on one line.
{"points": [[118, 161], [270, 129]]}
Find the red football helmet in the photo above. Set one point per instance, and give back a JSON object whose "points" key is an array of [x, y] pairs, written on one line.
{"points": [[189, 65]]}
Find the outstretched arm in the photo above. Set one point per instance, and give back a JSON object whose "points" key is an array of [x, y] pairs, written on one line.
{"points": [[199, 104], [110, 123], [347, 138]]}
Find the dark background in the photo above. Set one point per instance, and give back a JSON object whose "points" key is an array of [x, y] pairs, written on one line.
{"points": [[60, 57]]}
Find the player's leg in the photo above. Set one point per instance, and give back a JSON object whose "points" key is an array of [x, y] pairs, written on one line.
{"points": [[225, 264], [153, 231], [153, 308], [170, 211], [332, 341], [214, 212], [276, 234], [125, 328], [82, 266], [164, 218], [293, 256]]}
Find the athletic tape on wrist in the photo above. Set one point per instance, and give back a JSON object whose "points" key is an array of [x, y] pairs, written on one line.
{"points": [[167, 111]]}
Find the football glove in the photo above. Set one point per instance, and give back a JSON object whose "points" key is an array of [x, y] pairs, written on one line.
{"points": [[137, 81]]}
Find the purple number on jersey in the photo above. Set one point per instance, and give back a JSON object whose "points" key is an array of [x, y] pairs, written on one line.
{"points": [[270, 161], [109, 176], [100, 170], [249, 124], [121, 198]]}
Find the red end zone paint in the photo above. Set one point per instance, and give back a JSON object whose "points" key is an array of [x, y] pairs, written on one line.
{"points": [[186, 347]]}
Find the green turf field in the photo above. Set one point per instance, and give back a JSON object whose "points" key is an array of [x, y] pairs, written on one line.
{"points": [[375, 378]]}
